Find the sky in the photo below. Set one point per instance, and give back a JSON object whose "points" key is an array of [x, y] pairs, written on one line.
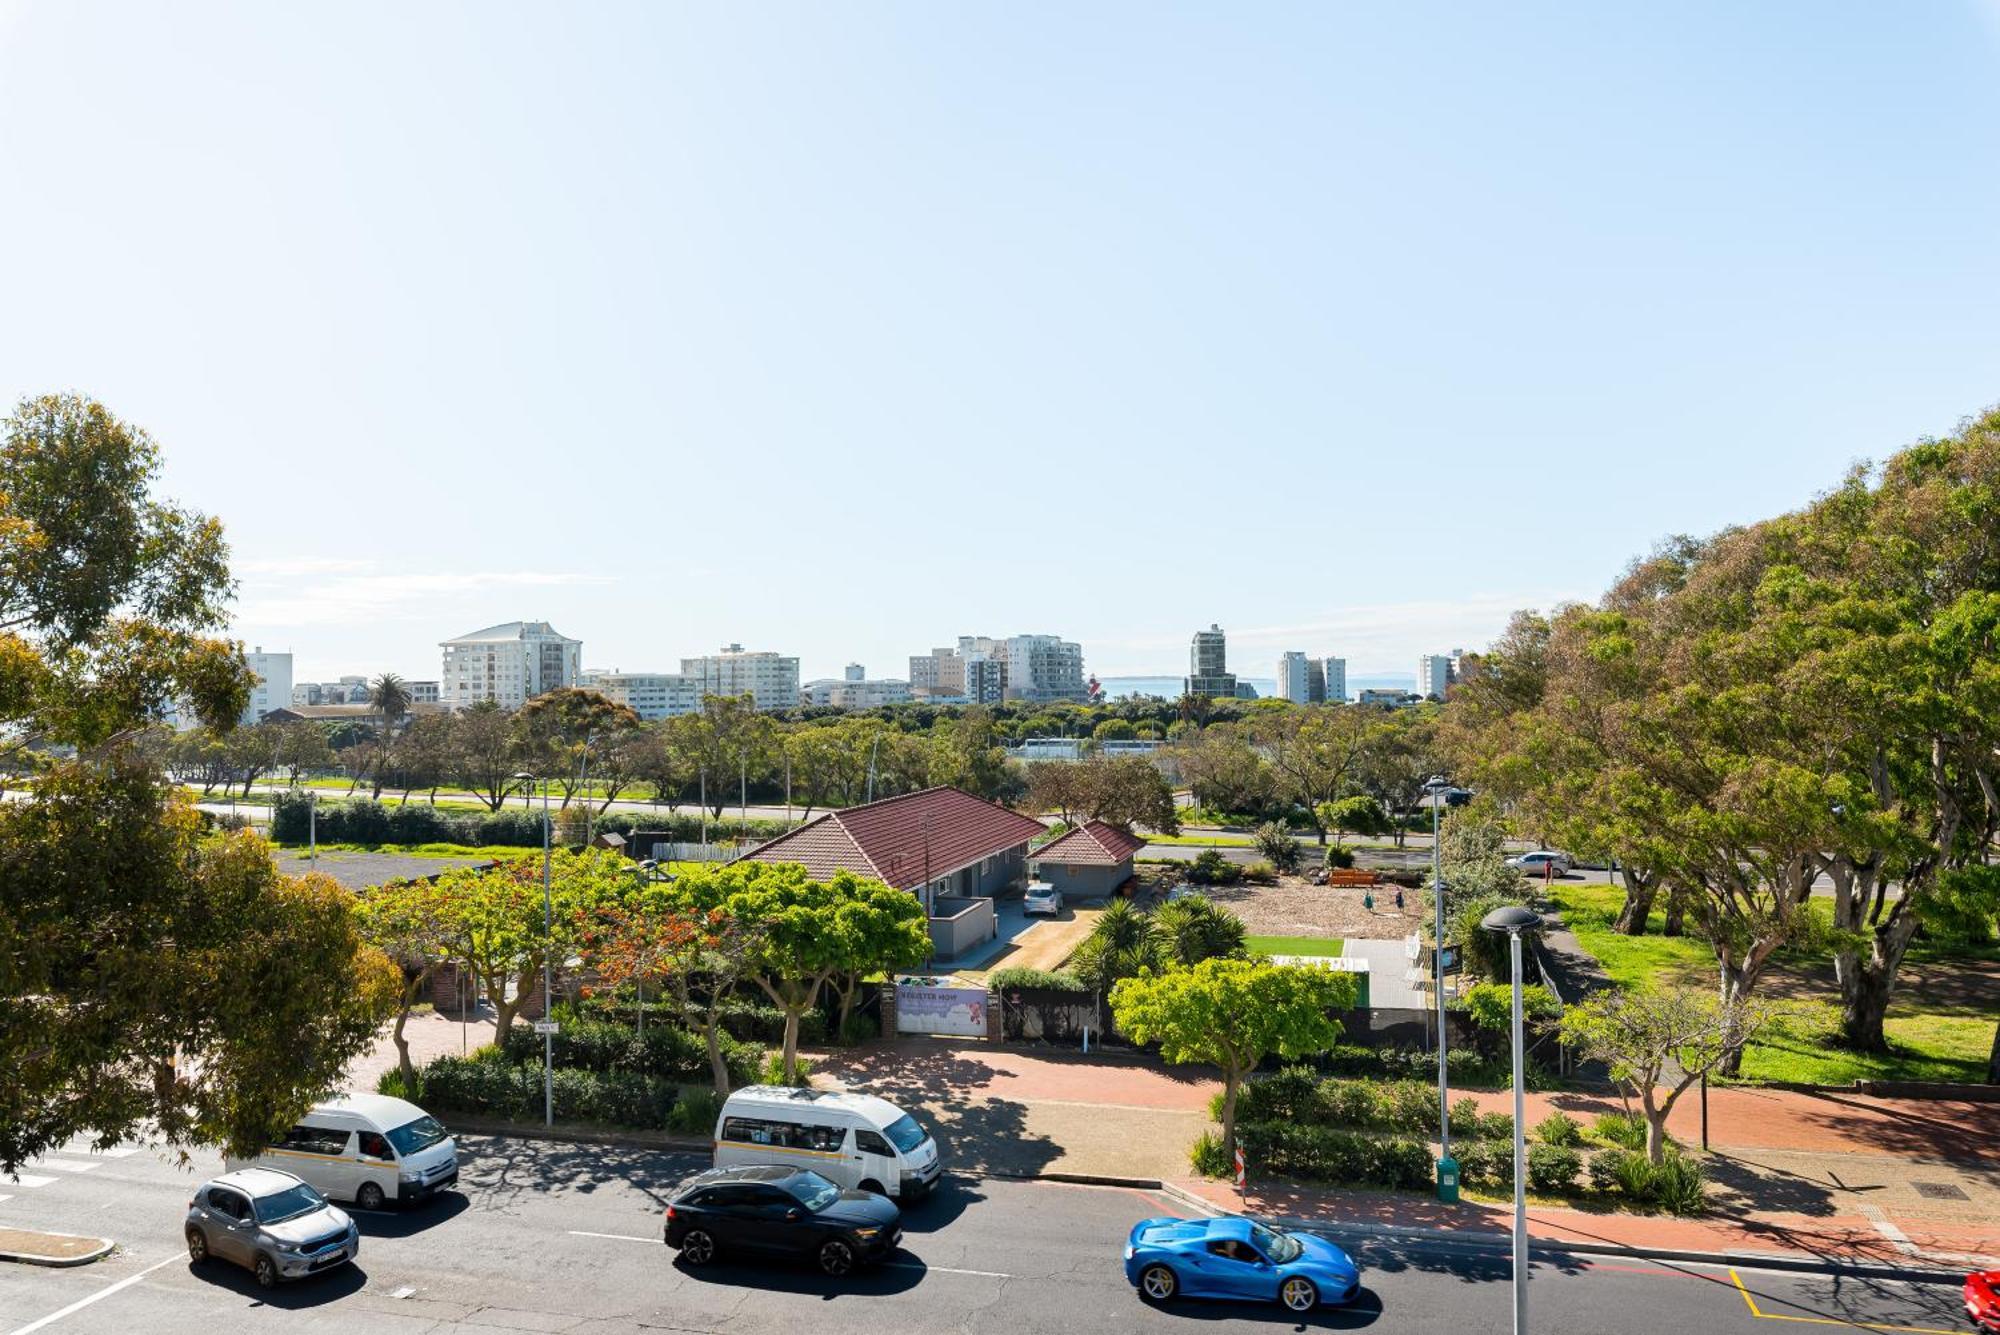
{"points": [[846, 329]]}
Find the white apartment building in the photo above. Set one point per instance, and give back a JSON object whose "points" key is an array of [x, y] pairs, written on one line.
{"points": [[1335, 671], [983, 681], [854, 672], [772, 680], [855, 692], [1295, 678], [1208, 665], [273, 688], [650, 695], [941, 672], [509, 664], [1436, 673], [1044, 667], [422, 692]]}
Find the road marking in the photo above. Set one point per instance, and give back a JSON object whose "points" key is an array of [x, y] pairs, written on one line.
{"points": [[6, 1198], [615, 1237], [27, 1180], [68, 1165], [1762, 1315], [82, 1303], [943, 1269], [403, 1292]]}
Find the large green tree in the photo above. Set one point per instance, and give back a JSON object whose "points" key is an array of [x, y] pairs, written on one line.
{"points": [[1233, 1014]]}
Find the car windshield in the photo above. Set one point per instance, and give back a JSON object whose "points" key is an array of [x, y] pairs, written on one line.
{"points": [[904, 1133], [288, 1204], [813, 1191], [418, 1135], [1280, 1247]]}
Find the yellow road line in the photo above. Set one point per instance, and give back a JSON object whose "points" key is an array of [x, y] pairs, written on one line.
{"points": [[1762, 1315]]}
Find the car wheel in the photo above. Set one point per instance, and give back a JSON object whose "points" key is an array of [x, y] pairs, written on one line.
{"points": [[697, 1247], [1299, 1295], [872, 1185], [836, 1257], [369, 1197], [197, 1246], [267, 1273], [1159, 1283]]}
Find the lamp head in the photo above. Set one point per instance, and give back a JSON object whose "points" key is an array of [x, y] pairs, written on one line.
{"points": [[1511, 919]]}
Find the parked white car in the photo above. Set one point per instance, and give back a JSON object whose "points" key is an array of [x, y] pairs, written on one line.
{"points": [[1540, 862], [367, 1148], [1042, 898], [860, 1142]]}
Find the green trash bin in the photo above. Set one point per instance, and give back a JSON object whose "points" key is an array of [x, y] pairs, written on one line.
{"points": [[1448, 1180]]}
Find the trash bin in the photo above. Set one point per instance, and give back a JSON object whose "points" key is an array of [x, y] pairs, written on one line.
{"points": [[1448, 1181]]}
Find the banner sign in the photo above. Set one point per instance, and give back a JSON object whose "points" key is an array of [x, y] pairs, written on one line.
{"points": [[940, 1010]]}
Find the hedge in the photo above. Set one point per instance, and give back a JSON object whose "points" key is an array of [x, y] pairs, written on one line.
{"points": [[1050, 980], [744, 1018], [1323, 1154], [1399, 1107], [360, 820], [502, 1089], [607, 1047]]}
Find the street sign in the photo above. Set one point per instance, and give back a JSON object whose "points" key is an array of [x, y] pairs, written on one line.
{"points": [[547, 1027], [1452, 959]]}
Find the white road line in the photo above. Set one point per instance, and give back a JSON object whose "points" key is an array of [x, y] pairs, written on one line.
{"points": [[6, 1198], [26, 1180], [118, 1152], [944, 1269], [615, 1237], [82, 1303], [68, 1165]]}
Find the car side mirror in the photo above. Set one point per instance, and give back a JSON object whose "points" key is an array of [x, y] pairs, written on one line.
{"points": [[792, 1213]]}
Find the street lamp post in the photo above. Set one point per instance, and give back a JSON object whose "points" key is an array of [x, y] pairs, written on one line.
{"points": [[312, 826], [1435, 788], [548, 952], [1513, 920]]}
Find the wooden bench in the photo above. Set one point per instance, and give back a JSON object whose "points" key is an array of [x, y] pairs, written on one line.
{"points": [[1352, 878]]}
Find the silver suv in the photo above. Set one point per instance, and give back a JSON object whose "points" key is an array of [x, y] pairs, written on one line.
{"points": [[273, 1223]]}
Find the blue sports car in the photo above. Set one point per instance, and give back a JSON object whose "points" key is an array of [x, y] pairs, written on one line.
{"points": [[1230, 1257]]}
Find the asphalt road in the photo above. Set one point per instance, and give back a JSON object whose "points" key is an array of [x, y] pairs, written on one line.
{"points": [[566, 1239]]}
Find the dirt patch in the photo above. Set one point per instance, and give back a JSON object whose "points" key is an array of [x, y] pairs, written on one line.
{"points": [[1296, 907], [1046, 945]]}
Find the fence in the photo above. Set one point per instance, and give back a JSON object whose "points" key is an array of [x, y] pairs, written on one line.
{"points": [[1049, 1015]]}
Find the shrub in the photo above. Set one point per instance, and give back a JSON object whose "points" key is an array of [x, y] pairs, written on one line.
{"points": [[1342, 858], [498, 1089], [392, 1083], [1463, 1066], [1050, 980], [1485, 1162], [859, 1029], [1409, 1107], [1207, 1157], [1211, 868], [1559, 1128], [1465, 1118], [1275, 842], [1403, 1164], [1633, 1173], [1292, 1095], [1359, 1103], [1601, 1170], [1496, 1126], [776, 1074], [1552, 1169], [1679, 1185], [1262, 873], [1625, 1130], [1490, 1006], [695, 1111]]}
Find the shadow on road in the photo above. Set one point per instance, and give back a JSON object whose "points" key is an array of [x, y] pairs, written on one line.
{"points": [[293, 1296], [1364, 1311], [500, 1168], [900, 1274], [409, 1220], [952, 1197], [1473, 1265]]}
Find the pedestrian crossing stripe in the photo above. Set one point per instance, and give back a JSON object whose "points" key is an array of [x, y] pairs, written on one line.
{"points": [[26, 1180], [68, 1165]]}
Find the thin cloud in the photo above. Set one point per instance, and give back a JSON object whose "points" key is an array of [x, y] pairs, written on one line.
{"points": [[322, 593]]}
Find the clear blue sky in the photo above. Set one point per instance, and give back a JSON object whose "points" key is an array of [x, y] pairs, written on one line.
{"points": [[845, 329]]}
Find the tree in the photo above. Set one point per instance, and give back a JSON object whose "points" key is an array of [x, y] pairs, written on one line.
{"points": [[1123, 942], [966, 754], [409, 922], [485, 754], [1233, 1014], [565, 731], [302, 748], [1058, 786], [1399, 755], [425, 754], [1360, 814], [1223, 770], [1275, 842], [199, 755], [1193, 929], [813, 930], [1114, 730], [496, 915], [1314, 752], [1663, 1038], [391, 699], [726, 744], [156, 978], [252, 752], [1128, 791]]}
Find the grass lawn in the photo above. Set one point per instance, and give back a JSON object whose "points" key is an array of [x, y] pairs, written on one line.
{"points": [[1294, 945], [1929, 1044], [1203, 840]]}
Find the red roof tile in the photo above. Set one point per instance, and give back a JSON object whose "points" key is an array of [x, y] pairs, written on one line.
{"points": [[895, 839], [1093, 844]]}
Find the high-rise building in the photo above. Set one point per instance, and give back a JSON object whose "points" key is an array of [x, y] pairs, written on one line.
{"points": [[941, 672], [273, 687], [1315, 682], [1208, 665], [650, 695], [1436, 673], [1335, 672], [509, 664], [422, 692], [854, 692], [1044, 667], [984, 680], [854, 672], [771, 680], [1295, 678]]}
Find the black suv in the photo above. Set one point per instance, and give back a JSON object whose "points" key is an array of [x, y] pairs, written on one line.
{"points": [[763, 1209]]}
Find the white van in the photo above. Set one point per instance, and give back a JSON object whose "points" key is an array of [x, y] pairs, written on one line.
{"points": [[858, 1141], [366, 1148]]}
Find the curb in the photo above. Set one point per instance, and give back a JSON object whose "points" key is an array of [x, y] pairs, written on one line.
{"points": [[97, 1253], [573, 1133], [1489, 1238]]}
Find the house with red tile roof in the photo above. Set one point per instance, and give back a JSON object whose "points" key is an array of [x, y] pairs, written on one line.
{"points": [[1089, 862], [953, 851]]}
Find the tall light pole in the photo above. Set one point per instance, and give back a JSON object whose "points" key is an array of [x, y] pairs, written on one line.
{"points": [[312, 826], [548, 952], [1435, 788], [1513, 920]]}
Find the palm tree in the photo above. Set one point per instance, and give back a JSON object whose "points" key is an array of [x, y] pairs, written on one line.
{"points": [[1194, 929], [1123, 942], [391, 699]]}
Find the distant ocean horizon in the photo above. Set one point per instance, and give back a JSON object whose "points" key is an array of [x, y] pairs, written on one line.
{"points": [[1118, 688]]}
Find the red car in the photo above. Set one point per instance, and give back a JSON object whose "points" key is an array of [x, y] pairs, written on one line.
{"points": [[1982, 1298]]}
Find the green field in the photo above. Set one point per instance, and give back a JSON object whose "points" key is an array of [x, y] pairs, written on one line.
{"points": [[1294, 945], [1928, 1043]]}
